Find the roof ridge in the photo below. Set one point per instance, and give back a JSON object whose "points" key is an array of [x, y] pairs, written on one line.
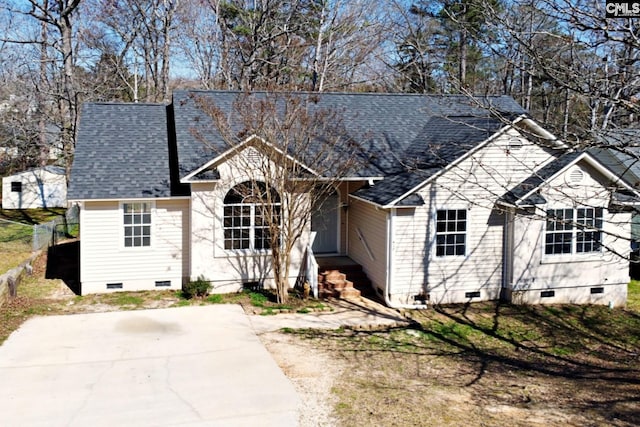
{"points": [[149, 104], [391, 94]]}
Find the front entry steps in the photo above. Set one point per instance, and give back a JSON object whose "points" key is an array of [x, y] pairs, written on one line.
{"points": [[341, 277]]}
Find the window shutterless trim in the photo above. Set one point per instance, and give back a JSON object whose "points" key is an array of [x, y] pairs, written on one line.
{"points": [[244, 226], [573, 231], [137, 224], [451, 233]]}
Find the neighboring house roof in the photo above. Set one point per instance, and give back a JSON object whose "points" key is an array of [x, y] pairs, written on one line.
{"points": [[620, 152], [122, 152]]}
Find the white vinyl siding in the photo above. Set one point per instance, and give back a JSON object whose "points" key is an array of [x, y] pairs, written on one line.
{"points": [[37, 188], [228, 269], [473, 185], [572, 275], [367, 240], [105, 259]]}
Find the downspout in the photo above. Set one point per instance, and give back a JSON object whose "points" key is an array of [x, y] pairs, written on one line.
{"points": [[392, 213]]}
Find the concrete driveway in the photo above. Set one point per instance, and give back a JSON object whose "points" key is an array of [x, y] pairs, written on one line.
{"points": [[191, 366]]}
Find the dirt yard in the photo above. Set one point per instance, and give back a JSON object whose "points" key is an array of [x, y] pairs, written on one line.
{"points": [[486, 364]]}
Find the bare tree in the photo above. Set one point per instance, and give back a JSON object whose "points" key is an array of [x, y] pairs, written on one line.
{"points": [[198, 39], [579, 69], [304, 154], [57, 93], [138, 32], [349, 38]]}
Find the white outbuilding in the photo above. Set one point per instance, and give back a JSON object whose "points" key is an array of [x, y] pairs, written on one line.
{"points": [[44, 187]]}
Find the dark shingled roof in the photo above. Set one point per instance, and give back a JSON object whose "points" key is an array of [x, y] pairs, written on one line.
{"points": [[403, 137], [386, 191], [624, 198], [122, 152], [379, 123], [125, 150], [445, 139]]}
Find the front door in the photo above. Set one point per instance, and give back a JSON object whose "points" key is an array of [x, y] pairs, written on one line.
{"points": [[325, 222]]}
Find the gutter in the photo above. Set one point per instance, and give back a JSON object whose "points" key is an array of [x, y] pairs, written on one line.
{"points": [[387, 290]]}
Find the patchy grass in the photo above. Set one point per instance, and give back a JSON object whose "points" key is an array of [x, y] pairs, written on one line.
{"points": [[31, 216], [491, 364], [39, 296], [633, 299], [215, 299], [33, 299], [16, 235]]}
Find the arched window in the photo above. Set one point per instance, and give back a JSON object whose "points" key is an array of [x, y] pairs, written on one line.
{"points": [[247, 209]]}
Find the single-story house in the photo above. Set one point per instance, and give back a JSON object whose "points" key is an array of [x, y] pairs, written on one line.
{"points": [[460, 200], [44, 187]]}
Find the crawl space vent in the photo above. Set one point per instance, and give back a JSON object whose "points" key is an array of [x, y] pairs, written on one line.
{"points": [[547, 294]]}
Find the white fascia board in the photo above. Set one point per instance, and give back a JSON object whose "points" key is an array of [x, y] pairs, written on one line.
{"points": [[198, 181], [366, 201], [595, 164], [218, 158], [129, 199], [608, 173], [450, 166], [345, 179], [505, 204], [539, 130], [246, 142]]}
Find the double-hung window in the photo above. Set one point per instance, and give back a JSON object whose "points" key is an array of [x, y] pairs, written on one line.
{"points": [[451, 232], [250, 213], [573, 231], [137, 224]]}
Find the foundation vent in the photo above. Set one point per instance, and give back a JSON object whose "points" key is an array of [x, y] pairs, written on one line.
{"points": [[114, 285], [547, 294]]}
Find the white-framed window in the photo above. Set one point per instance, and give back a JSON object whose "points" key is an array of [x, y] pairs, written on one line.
{"points": [[247, 209], [451, 232], [16, 186], [573, 231], [137, 224]]}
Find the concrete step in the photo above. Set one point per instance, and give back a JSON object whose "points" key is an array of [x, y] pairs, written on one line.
{"points": [[343, 279]]}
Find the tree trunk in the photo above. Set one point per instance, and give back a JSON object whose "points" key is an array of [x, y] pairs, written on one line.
{"points": [[462, 70]]}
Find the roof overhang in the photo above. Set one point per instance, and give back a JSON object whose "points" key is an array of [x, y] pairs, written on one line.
{"points": [[251, 141], [452, 165], [593, 162], [539, 131], [128, 199]]}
